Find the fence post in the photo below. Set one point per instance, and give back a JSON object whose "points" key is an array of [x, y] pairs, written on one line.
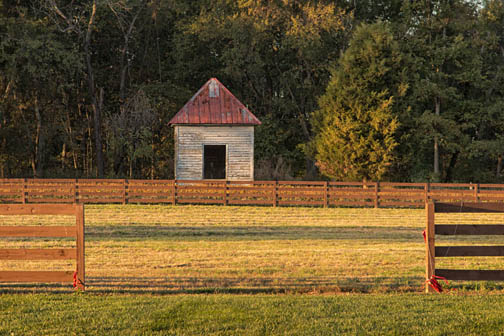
{"points": [[476, 192], [125, 191], [430, 266], [225, 192], [174, 192], [376, 190], [79, 218], [426, 192], [76, 191], [275, 194], [326, 196], [24, 193]]}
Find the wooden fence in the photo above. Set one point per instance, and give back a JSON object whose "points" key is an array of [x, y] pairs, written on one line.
{"points": [[77, 231], [272, 193], [433, 252]]}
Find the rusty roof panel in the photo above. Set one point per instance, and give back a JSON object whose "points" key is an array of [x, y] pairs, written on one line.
{"points": [[214, 104]]}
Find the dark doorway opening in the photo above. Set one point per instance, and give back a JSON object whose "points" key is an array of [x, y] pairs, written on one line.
{"points": [[214, 162]]}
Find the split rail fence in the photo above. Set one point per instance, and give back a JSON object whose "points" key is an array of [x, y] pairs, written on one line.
{"points": [[433, 251], [77, 253], [272, 193]]}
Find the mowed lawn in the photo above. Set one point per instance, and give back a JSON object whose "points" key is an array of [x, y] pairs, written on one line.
{"points": [[169, 249], [343, 314]]}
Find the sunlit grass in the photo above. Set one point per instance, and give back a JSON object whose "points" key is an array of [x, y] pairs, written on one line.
{"points": [[165, 248], [390, 314]]}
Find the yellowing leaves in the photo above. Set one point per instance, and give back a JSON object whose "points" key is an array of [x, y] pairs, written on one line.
{"points": [[315, 19]]}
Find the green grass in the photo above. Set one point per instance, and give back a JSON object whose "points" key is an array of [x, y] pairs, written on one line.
{"points": [[391, 314]]}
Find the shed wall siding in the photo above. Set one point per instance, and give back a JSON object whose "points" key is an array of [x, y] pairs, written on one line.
{"points": [[189, 141]]}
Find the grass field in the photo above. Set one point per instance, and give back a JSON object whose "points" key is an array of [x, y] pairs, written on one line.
{"points": [[217, 249], [344, 314]]}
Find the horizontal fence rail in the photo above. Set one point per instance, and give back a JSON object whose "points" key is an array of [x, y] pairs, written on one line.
{"points": [[76, 231], [433, 251], [272, 193]]}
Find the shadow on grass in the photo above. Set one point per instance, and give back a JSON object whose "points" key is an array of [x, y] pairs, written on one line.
{"points": [[237, 233], [191, 285]]}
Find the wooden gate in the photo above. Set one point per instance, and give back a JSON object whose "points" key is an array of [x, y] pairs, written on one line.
{"points": [[433, 252], [77, 231]]}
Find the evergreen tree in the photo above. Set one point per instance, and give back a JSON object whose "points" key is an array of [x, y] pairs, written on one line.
{"points": [[356, 124]]}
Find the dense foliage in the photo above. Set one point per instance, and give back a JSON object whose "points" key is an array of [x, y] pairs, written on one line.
{"points": [[356, 124], [349, 90]]}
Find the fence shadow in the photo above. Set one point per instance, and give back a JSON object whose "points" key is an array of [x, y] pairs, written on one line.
{"points": [[237, 233], [191, 285]]}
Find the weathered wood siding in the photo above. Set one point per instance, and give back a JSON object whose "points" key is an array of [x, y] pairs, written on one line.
{"points": [[189, 142]]}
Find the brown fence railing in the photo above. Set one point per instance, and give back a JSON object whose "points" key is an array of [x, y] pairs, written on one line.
{"points": [[433, 251], [76, 231], [273, 193]]}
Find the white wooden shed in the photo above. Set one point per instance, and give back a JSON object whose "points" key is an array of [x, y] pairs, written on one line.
{"points": [[214, 136]]}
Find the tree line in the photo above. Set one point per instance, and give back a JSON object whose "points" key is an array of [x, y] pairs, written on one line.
{"points": [[346, 90]]}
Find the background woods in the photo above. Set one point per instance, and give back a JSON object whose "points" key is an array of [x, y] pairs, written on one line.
{"points": [[346, 90]]}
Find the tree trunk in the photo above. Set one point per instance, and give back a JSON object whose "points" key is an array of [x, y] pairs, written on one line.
{"points": [[87, 147], [96, 105], [124, 52], [437, 103], [451, 166], [39, 144], [436, 156], [69, 130], [499, 166], [310, 168], [63, 155]]}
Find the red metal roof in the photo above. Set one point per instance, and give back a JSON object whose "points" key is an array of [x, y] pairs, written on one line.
{"points": [[214, 104]]}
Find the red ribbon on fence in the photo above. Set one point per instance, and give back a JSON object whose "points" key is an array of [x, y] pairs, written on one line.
{"points": [[435, 284], [75, 279], [424, 236]]}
